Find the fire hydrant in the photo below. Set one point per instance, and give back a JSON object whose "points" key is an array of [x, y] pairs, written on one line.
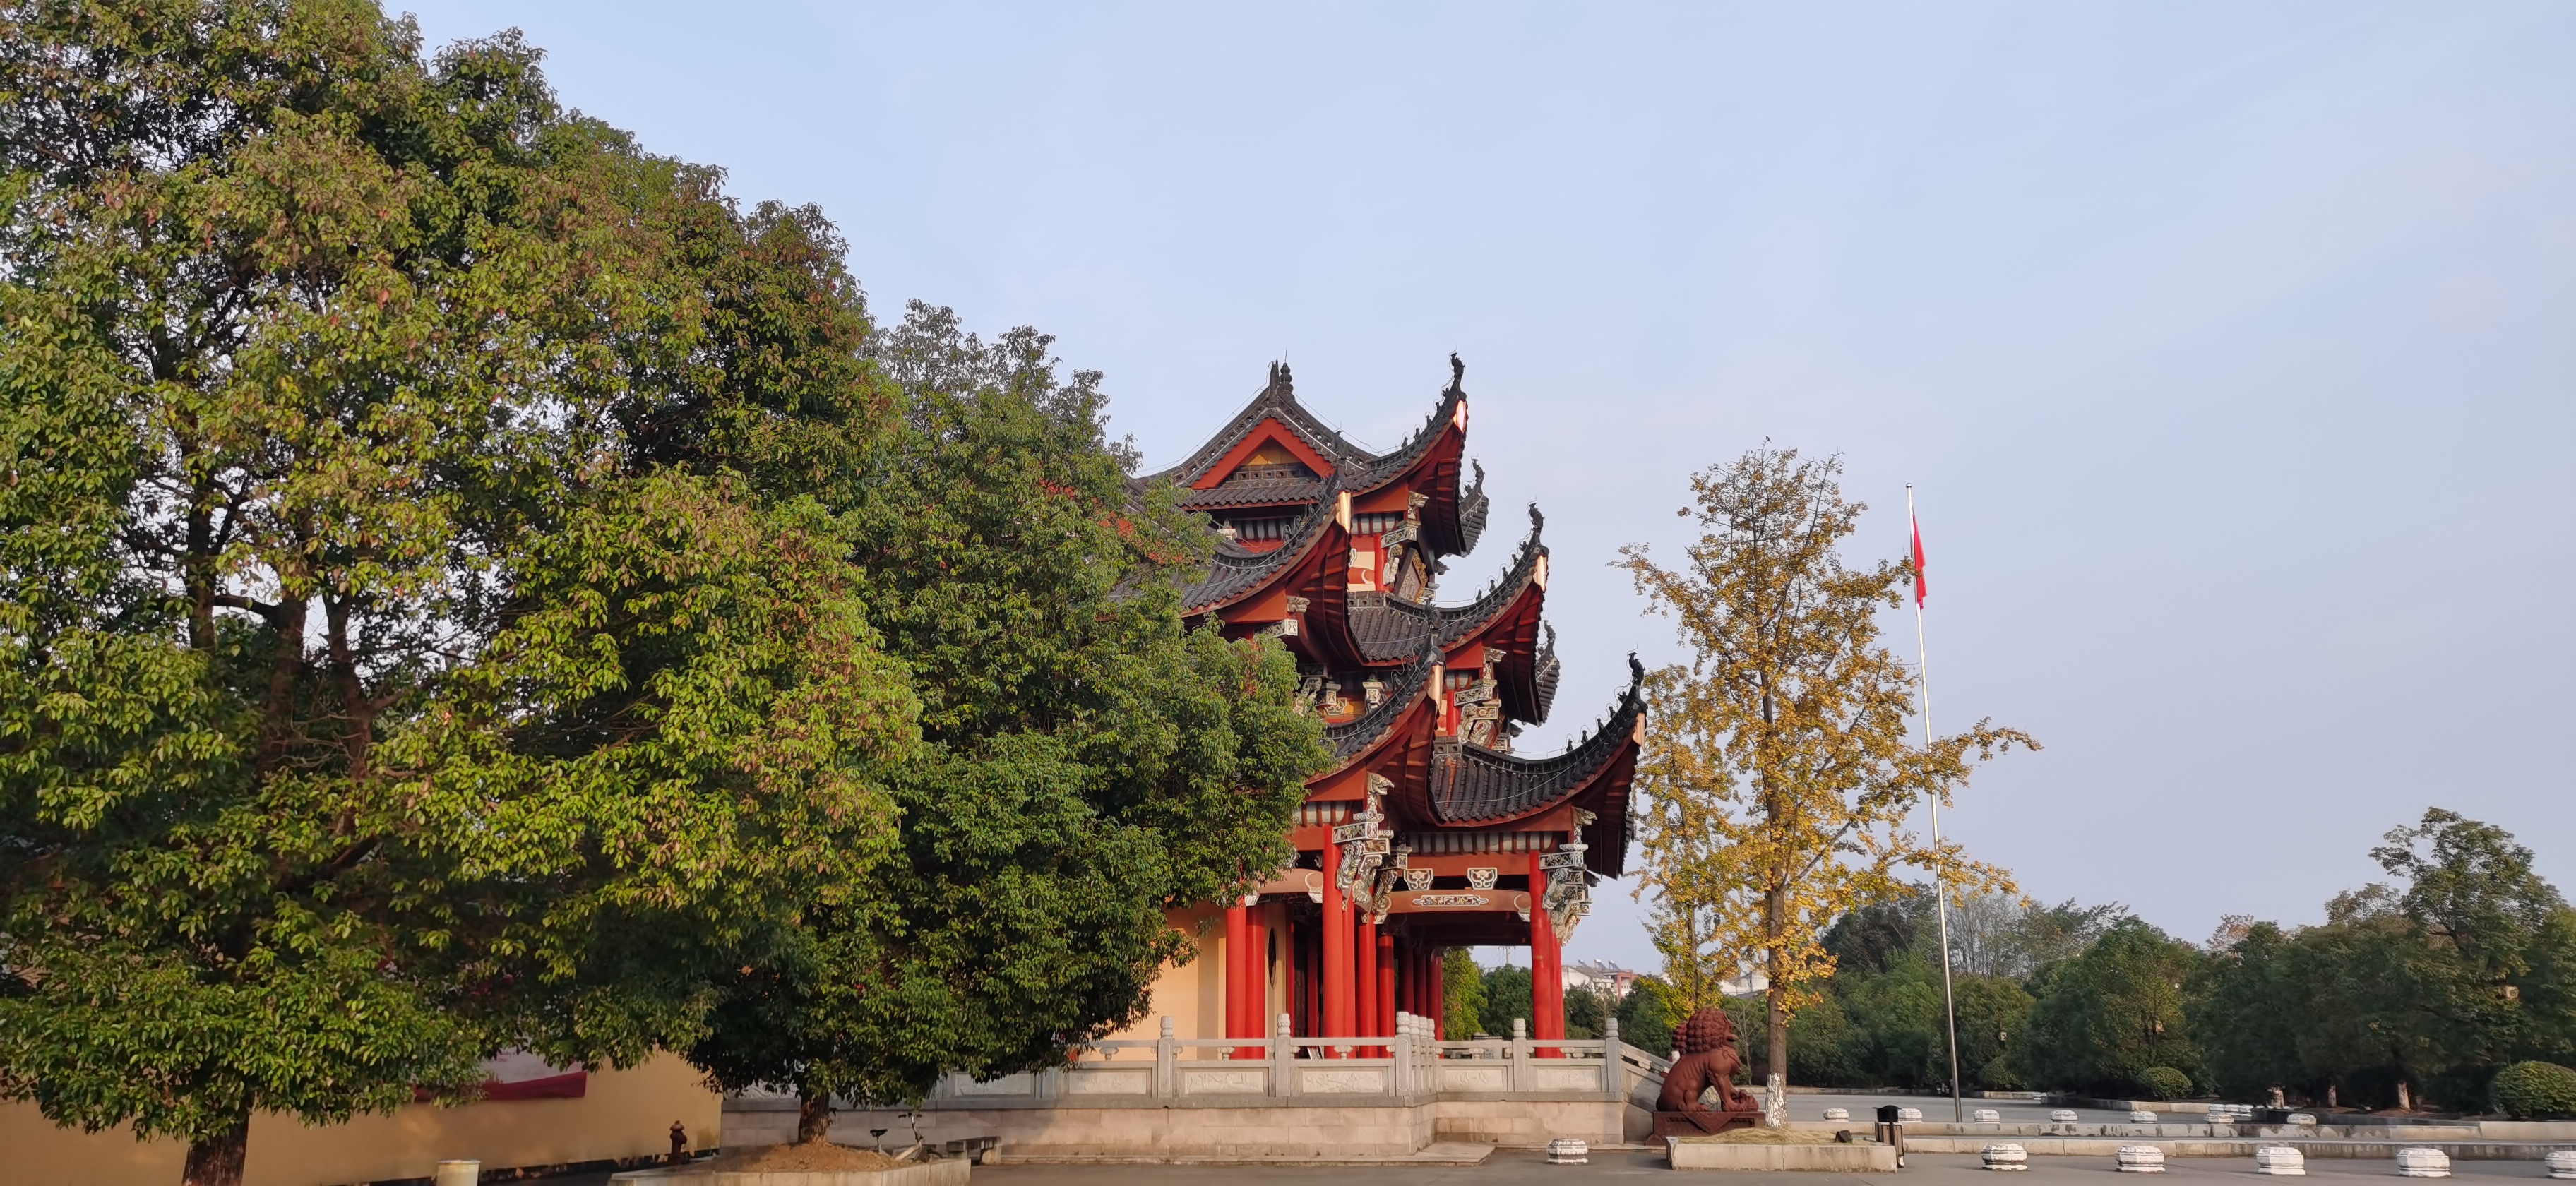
{"points": [[679, 1144]]}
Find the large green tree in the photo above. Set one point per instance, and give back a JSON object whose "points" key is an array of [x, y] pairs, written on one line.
{"points": [[2463, 966], [371, 696], [1085, 762], [2117, 1009], [1462, 983]]}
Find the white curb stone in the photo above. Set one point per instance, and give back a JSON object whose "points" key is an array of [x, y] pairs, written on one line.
{"points": [[2422, 1162], [2280, 1161], [2141, 1159]]}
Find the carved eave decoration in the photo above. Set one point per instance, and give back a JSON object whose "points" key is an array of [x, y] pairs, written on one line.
{"points": [[1474, 786], [1391, 741], [1502, 624]]}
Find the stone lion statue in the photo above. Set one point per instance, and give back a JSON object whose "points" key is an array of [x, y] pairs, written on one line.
{"points": [[1707, 1044]]}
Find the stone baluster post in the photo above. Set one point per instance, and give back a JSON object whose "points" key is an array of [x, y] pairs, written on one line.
{"points": [[1611, 1071], [1166, 1052], [1516, 1073], [1399, 1079], [1283, 1057]]}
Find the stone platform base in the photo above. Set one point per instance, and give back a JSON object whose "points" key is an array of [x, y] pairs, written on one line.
{"points": [[1438, 1153], [1702, 1124], [1859, 1157], [928, 1173], [1428, 1130]]}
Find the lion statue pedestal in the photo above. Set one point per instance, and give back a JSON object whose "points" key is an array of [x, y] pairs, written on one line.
{"points": [[1709, 1060]]}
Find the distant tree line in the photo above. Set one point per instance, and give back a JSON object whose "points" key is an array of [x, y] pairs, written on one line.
{"points": [[2419, 992]]}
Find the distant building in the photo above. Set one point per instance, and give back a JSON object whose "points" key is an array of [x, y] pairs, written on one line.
{"points": [[1748, 983], [1600, 976]]}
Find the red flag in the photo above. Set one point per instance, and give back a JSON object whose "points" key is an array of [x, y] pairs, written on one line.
{"points": [[1918, 560]]}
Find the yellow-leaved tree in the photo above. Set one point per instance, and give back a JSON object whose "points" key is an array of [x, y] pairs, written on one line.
{"points": [[1779, 772]]}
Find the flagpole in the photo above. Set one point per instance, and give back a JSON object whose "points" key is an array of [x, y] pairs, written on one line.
{"points": [[1940, 871]]}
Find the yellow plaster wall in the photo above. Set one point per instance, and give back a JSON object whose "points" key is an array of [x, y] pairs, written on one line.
{"points": [[1191, 994], [623, 1114]]}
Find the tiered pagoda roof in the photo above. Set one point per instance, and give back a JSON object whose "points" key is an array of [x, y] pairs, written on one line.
{"points": [[1336, 550]]}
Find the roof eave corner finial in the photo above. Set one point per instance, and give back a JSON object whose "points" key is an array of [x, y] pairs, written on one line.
{"points": [[1636, 672], [1537, 521], [1457, 374]]}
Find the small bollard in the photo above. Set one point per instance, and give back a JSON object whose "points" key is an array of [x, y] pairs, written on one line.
{"points": [[458, 1173], [679, 1145], [2280, 1161], [2423, 1161]]}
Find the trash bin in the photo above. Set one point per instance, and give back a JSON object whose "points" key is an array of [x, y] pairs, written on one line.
{"points": [[1891, 1130]]}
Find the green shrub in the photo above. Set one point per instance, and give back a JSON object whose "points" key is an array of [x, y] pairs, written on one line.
{"points": [[2000, 1074], [2528, 1089], [2163, 1083]]}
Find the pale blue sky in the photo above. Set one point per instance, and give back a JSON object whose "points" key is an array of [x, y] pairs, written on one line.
{"points": [[2231, 347]]}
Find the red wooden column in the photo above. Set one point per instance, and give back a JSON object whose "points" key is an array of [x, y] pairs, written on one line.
{"points": [[1427, 965], [1408, 978], [1255, 997], [1386, 986], [1547, 974], [1338, 1015], [1236, 945], [1364, 984]]}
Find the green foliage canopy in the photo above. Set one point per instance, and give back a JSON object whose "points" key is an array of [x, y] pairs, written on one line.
{"points": [[1084, 762], [1462, 984], [368, 701], [2431, 985], [2106, 1015]]}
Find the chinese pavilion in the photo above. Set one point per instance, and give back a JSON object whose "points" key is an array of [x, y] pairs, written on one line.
{"points": [[1427, 831]]}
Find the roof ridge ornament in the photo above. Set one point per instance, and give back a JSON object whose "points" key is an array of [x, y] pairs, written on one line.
{"points": [[1457, 374]]}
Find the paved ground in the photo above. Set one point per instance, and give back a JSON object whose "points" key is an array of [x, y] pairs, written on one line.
{"points": [[1936, 1108], [1515, 1168], [1508, 1167]]}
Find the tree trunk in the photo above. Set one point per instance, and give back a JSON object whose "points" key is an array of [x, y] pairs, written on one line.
{"points": [[217, 1160], [1775, 1105], [1775, 931], [2405, 1099], [813, 1117]]}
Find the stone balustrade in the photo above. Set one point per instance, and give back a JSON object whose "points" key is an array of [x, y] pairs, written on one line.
{"points": [[1408, 1065]]}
